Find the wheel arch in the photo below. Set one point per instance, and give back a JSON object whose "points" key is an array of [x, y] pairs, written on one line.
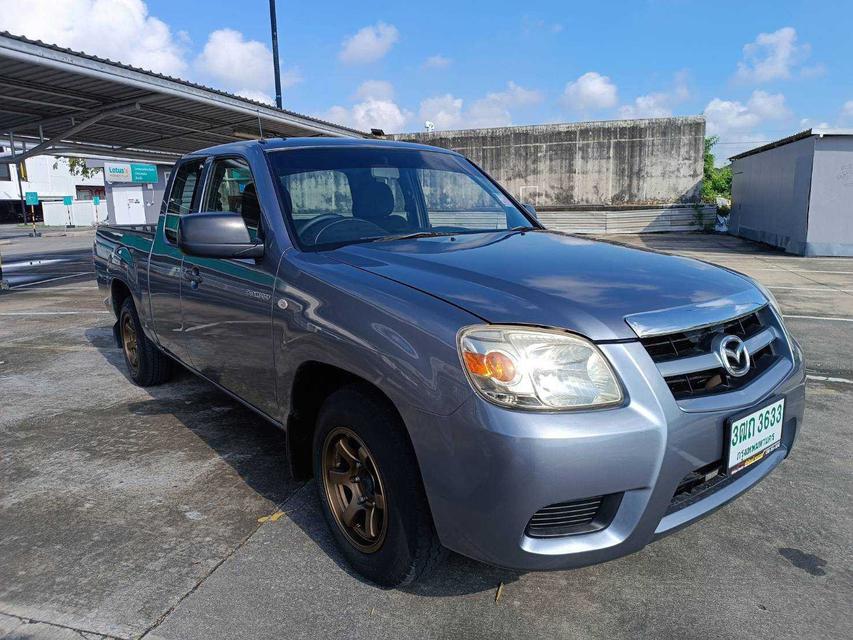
{"points": [[313, 383]]}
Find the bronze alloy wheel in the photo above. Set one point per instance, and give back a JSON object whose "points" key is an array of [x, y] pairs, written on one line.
{"points": [[354, 489], [129, 342]]}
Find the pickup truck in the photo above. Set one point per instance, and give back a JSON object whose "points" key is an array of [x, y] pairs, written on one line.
{"points": [[452, 374]]}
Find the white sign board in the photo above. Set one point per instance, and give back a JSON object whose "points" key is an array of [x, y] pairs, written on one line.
{"points": [[117, 172]]}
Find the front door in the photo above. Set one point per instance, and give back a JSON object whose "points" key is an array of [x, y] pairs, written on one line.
{"points": [[227, 303], [128, 205], [165, 275]]}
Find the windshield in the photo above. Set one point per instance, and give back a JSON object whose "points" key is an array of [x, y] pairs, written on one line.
{"points": [[339, 195]]}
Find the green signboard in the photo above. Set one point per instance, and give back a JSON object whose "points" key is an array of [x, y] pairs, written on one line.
{"points": [[143, 172], [67, 200], [32, 197], [96, 200]]}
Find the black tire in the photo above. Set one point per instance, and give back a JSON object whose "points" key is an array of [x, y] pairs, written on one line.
{"points": [[150, 366], [410, 545]]}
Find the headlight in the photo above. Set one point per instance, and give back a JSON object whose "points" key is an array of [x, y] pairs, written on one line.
{"points": [[536, 368]]}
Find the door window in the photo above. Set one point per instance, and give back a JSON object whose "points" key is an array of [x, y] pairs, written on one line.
{"points": [[185, 187], [233, 189]]}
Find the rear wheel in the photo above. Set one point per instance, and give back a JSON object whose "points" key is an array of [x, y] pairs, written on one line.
{"points": [[370, 489], [146, 364]]}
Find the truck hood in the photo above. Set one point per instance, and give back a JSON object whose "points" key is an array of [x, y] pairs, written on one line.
{"points": [[549, 279]]}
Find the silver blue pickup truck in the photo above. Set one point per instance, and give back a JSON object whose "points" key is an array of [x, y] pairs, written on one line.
{"points": [[452, 374]]}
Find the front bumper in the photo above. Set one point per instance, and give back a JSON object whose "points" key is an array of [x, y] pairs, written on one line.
{"points": [[487, 469]]}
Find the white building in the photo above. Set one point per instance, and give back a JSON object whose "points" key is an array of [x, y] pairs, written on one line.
{"points": [[53, 180]]}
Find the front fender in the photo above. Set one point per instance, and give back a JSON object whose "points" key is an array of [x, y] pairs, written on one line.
{"points": [[401, 340]]}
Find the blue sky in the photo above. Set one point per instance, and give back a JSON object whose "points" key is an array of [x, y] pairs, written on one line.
{"points": [[757, 70]]}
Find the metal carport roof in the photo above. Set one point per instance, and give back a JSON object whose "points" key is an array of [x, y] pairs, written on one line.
{"points": [[59, 101]]}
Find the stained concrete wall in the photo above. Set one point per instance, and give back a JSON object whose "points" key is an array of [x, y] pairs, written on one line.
{"points": [[587, 164]]}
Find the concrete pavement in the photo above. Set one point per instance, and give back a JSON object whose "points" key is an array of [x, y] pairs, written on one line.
{"points": [[133, 513]]}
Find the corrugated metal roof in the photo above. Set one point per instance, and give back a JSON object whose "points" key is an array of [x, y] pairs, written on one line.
{"points": [[797, 136], [127, 109]]}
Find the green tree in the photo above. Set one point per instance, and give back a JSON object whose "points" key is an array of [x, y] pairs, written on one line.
{"points": [[716, 182]]}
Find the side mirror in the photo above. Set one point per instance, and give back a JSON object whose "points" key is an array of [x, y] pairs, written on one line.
{"points": [[531, 210], [217, 235]]}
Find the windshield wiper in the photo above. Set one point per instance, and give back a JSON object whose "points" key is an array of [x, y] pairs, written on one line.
{"points": [[416, 234]]}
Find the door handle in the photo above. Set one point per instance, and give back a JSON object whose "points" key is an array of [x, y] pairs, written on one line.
{"points": [[192, 274]]}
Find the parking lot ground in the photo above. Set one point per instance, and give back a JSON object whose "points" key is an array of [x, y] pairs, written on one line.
{"points": [[168, 512]]}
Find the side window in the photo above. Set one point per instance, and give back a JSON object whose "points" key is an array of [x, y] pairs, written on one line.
{"points": [[232, 188], [454, 199], [187, 180]]}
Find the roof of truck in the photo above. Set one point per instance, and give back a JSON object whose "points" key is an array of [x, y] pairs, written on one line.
{"points": [[273, 144]]}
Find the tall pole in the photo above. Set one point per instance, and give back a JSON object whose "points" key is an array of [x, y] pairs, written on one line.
{"points": [[274, 28]]}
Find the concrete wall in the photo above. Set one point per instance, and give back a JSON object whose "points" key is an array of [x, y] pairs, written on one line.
{"points": [[587, 164], [830, 224]]}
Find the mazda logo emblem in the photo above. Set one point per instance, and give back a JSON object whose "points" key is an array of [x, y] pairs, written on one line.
{"points": [[733, 355]]}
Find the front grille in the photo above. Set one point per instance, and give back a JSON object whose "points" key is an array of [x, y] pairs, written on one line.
{"points": [[694, 343], [572, 518], [717, 380], [672, 348], [702, 483]]}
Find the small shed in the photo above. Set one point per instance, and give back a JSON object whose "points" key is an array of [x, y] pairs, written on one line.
{"points": [[797, 193]]}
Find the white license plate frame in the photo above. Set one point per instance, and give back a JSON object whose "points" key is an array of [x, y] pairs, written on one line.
{"points": [[746, 433]]}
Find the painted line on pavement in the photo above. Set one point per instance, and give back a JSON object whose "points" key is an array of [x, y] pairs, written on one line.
{"points": [[849, 273], [49, 313], [836, 319], [828, 379], [826, 289]]}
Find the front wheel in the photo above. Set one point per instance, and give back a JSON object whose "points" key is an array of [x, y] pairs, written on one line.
{"points": [[371, 491]]}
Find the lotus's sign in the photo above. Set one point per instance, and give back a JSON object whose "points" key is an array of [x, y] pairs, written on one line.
{"points": [[129, 172]]}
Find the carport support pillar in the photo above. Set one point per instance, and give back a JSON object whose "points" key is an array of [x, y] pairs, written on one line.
{"points": [[18, 174]]}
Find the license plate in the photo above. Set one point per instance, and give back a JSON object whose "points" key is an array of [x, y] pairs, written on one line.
{"points": [[754, 436]]}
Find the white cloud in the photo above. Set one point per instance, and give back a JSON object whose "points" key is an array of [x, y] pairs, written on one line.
{"points": [[121, 30], [768, 106], [808, 123], [443, 111], [257, 96], [531, 26], [376, 89], [658, 104], [436, 62], [492, 110], [725, 117], [774, 56], [847, 110], [590, 92], [376, 109], [232, 61], [738, 125], [369, 44]]}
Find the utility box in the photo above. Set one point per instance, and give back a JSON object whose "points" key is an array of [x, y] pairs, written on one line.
{"points": [[797, 193]]}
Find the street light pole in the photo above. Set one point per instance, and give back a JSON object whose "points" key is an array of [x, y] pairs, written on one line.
{"points": [[274, 28]]}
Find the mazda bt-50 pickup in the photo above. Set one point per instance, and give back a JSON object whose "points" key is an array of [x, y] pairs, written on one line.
{"points": [[452, 374]]}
